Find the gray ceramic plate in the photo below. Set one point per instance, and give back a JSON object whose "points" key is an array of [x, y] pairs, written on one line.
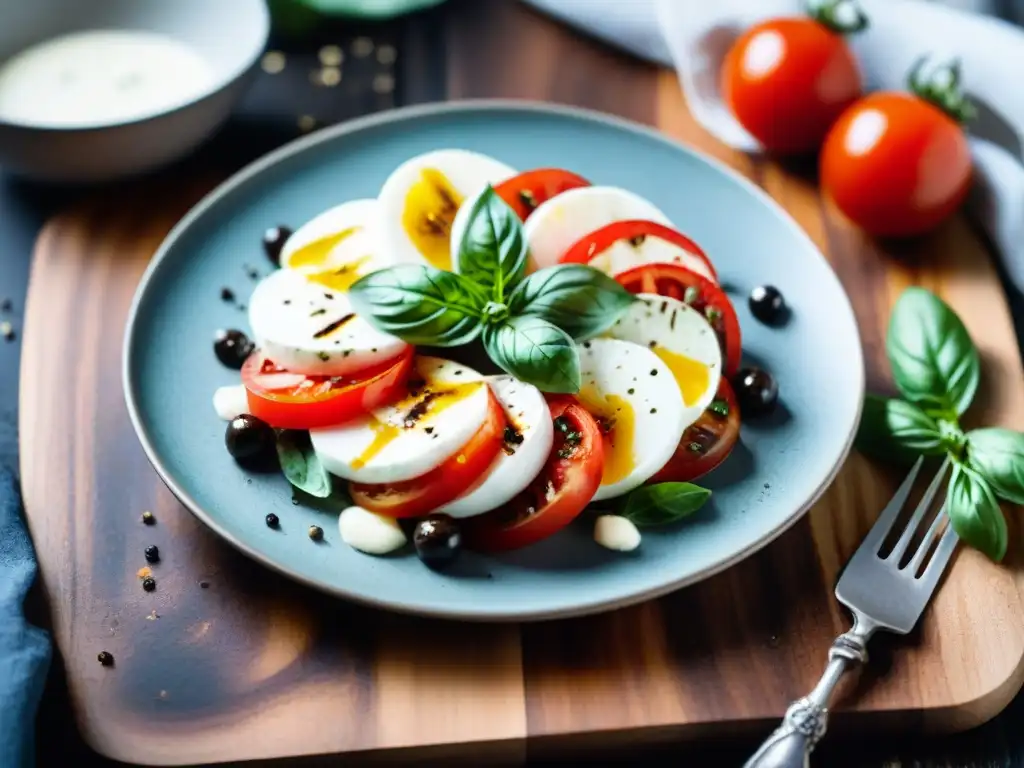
{"points": [[781, 466]]}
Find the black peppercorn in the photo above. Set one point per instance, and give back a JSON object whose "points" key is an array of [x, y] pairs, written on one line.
{"points": [[316, 533], [149, 583], [272, 520], [152, 554], [106, 658]]}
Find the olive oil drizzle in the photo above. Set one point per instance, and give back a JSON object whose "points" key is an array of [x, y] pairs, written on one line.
{"points": [[617, 419], [691, 375], [314, 254], [430, 208], [419, 409]]}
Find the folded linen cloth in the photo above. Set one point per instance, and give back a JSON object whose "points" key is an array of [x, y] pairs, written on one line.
{"points": [[24, 649], [694, 36]]}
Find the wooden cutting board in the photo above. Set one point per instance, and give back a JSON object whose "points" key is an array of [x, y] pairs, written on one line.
{"points": [[229, 662]]}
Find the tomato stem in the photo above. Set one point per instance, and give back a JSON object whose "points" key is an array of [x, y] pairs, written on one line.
{"points": [[942, 88], [844, 17]]}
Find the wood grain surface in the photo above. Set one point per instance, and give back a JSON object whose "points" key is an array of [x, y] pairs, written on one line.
{"points": [[229, 662]]}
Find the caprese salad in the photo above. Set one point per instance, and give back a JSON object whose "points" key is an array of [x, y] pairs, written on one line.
{"points": [[479, 354]]}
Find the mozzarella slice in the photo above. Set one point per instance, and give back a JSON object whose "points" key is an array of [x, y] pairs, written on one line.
{"points": [[560, 222], [305, 327], [338, 246], [625, 255], [447, 404], [633, 394], [420, 199], [525, 451], [683, 340]]}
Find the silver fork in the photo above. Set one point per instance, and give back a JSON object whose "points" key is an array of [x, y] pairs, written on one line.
{"points": [[881, 595]]}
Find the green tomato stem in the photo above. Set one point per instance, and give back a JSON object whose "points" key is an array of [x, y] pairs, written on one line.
{"points": [[942, 89], [844, 17]]}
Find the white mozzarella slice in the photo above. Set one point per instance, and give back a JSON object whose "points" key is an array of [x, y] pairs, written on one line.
{"points": [[338, 246], [231, 401], [522, 457], [305, 327], [685, 342], [560, 222], [631, 390], [420, 199], [623, 256], [413, 436]]}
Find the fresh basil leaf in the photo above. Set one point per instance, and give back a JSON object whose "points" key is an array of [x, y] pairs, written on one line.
{"points": [[895, 430], [580, 300], [975, 514], [301, 465], [420, 304], [934, 362], [535, 351], [663, 503], [997, 454], [492, 252]]}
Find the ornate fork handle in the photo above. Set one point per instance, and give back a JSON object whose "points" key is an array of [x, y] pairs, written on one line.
{"points": [[806, 720]]}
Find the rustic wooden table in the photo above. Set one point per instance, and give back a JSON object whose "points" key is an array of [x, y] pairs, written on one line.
{"points": [[499, 48]]}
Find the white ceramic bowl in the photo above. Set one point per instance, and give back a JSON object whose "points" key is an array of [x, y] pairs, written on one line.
{"points": [[229, 34]]}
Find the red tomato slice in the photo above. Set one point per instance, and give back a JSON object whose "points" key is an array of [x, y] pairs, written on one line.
{"points": [[707, 442], [598, 241], [294, 401], [452, 478], [526, 191], [706, 297], [563, 489]]}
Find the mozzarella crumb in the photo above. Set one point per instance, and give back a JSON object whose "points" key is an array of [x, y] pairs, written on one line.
{"points": [[615, 532], [230, 402], [368, 532]]}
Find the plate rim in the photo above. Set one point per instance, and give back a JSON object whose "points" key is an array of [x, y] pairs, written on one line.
{"points": [[399, 114]]}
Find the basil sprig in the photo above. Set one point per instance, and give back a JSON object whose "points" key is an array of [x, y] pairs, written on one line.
{"points": [[534, 350], [420, 304], [529, 325], [492, 252], [578, 299], [933, 359], [937, 370], [300, 464], [662, 503]]}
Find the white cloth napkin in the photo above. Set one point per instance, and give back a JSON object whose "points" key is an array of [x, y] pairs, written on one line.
{"points": [[693, 36]]}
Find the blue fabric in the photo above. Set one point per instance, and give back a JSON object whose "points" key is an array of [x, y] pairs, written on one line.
{"points": [[24, 649]]}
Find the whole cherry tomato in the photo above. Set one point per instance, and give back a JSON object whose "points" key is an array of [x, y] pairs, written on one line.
{"points": [[786, 80], [897, 164]]}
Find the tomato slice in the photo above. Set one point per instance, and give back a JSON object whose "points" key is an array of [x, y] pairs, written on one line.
{"points": [[598, 241], [294, 401], [527, 190], [706, 297], [707, 442], [563, 489], [452, 478]]}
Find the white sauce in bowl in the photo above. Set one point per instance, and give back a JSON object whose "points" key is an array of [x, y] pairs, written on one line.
{"points": [[97, 78]]}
